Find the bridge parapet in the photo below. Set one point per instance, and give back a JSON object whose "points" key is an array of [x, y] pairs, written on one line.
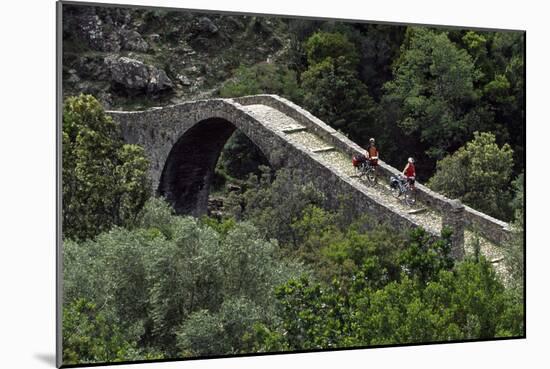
{"points": [[491, 228], [161, 130]]}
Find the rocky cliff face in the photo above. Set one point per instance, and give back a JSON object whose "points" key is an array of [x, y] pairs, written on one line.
{"points": [[135, 58]]}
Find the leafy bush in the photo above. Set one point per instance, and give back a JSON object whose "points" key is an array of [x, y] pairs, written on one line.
{"points": [[211, 333], [424, 257], [466, 302], [433, 86], [263, 78], [239, 158], [333, 90], [150, 280], [89, 337], [105, 181], [515, 248], [272, 204], [334, 45], [478, 174]]}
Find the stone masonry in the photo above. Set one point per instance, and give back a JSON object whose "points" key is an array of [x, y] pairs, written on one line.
{"points": [[183, 143]]}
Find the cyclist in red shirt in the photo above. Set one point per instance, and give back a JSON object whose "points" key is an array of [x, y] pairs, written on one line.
{"points": [[410, 172], [372, 153]]}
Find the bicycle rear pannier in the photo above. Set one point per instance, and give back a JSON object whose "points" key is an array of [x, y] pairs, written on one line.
{"points": [[394, 182], [356, 160]]}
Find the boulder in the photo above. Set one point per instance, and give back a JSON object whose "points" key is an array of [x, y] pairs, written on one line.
{"points": [[89, 27], [136, 76], [158, 80], [207, 26], [132, 41], [184, 80]]}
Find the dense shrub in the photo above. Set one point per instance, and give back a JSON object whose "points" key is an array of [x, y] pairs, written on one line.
{"points": [[104, 181], [151, 280], [479, 174]]}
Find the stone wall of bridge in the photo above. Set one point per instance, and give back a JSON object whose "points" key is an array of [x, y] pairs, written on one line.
{"points": [[183, 143], [172, 145], [491, 228]]}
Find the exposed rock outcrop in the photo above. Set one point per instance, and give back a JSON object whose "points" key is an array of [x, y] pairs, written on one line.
{"points": [[136, 76], [139, 58], [89, 27], [132, 41], [206, 25]]}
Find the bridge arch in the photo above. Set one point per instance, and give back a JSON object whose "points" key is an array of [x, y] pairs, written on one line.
{"points": [[188, 138], [189, 169], [184, 141]]}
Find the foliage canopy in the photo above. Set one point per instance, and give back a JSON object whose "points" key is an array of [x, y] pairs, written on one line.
{"points": [[479, 174], [105, 181]]}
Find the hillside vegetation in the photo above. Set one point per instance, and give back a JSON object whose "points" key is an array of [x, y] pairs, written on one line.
{"points": [[271, 269]]}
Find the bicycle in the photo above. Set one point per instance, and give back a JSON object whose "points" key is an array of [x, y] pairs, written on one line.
{"points": [[368, 171], [401, 186]]}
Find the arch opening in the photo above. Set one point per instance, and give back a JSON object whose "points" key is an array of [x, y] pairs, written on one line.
{"points": [[189, 169]]}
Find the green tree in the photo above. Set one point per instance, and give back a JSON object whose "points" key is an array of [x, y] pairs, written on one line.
{"points": [[478, 301], [434, 88], [362, 251], [273, 202], [150, 280], [105, 182], [379, 48], [515, 249], [478, 174], [263, 78], [518, 201], [207, 333], [89, 337], [332, 88], [476, 45], [312, 316], [112, 272], [500, 57], [334, 45], [508, 50], [314, 229], [466, 302], [424, 257], [240, 156]]}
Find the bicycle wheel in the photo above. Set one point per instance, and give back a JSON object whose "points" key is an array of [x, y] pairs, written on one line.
{"points": [[395, 191], [410, 197], [371, 176], [362, 171]]}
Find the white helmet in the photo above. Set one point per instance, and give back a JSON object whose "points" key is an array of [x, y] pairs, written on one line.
{"points": [[410, 160], [372, 139]]}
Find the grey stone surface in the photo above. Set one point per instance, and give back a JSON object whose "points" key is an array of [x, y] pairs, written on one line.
{"points": [[206, 25], [453, 218], [493, 229], [184, 141], [132, 41], [136, 75], [91, 29]]}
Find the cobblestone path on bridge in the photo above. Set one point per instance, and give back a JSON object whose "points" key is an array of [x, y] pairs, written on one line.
{"points": [[340, 163]]}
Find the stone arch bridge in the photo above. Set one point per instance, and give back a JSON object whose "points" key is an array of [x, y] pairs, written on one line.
{"points": [[184, 141]]}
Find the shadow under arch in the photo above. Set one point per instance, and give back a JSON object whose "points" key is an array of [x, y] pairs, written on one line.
{"points": [[189, 168]]}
